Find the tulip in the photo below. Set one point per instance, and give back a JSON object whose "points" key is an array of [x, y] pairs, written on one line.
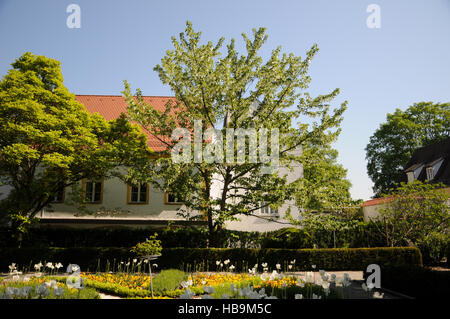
{"points": [[377, 295]]}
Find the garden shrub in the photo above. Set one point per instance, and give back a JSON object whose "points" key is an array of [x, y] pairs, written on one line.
{"points": [[168, 280]]}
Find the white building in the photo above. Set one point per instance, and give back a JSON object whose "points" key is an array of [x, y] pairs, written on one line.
{"points": [[114, 203]]}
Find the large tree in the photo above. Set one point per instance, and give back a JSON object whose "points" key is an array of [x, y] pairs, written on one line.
{"points": [[393, 143], [227, 90], [49, 141]]}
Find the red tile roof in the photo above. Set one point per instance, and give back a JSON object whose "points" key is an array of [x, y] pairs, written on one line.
{"points": [[111, 106], [375, 201]]}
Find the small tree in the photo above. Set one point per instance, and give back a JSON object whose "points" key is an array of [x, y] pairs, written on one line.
{"points": [[151, 246], [413, 212]]}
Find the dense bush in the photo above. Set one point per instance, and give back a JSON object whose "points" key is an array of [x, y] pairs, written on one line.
{"points": [[416, 282], [202, 259], [168, 280]]}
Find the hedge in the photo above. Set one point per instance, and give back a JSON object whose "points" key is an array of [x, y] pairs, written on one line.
{"points": [[204, 259]]}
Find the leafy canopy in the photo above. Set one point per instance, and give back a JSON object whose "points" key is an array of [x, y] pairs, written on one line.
{"points": [[413, 212], [229, 90], [49, 141], [393, 143]]}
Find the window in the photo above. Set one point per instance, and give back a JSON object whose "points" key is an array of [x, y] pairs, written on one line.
{"points": [[172, 199], [58, 197], [137, 194], [93, 191], [267, 210]]}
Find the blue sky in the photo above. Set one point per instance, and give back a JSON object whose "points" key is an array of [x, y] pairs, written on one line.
{"points": [[404, 61]]}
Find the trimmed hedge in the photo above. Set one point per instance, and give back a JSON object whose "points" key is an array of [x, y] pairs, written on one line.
{"points": [[204, 259]]}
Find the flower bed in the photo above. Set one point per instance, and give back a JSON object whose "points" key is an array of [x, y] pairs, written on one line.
{"points": [[43, 288]]}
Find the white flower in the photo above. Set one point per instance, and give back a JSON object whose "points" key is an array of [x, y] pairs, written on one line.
{"points": [[325, 285], [146, 261], [155, 265], [309, 277], [377, 295], [264, 276], [134, 261], [298, 296], [232, 267], [186, 284], [316, 296], [313, 266], [226, 262], [58, 265], [48, 265], [38, 266], [274, 275], [218, 262], [264, 265], [339, 281], [278, 266], [12, 267], [290, 266], [51, 284], [293, 262]]}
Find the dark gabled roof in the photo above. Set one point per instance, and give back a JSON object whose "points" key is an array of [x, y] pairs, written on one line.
{"points": [[428, 156]]}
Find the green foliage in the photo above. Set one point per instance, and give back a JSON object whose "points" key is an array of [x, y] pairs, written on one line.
{"points": [[233, 91], [151, 246], [168, 280], [393, 143], [324, 186], [117, 290], [413, 212], [435, 249], [49, 141]]}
